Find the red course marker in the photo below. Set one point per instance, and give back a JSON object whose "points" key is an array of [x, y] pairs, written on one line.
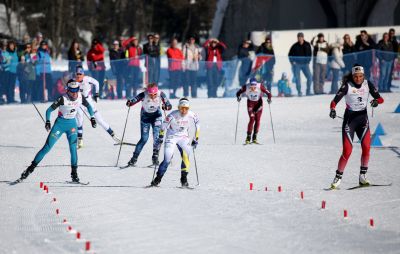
{"points": [[345, 213], [371, 222], [87, 246], [279, 188], [65, 221], [323, 204], [302, 195], [78, 235], [69, 228], [41, 185], [251, 186], [57, 211], [54, 199], [266, 188]]}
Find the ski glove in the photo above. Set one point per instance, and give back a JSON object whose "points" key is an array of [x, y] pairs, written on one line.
{"points": [[269, 101], [332, 114], [374, 103], [47, 125], [166, 107], [93, 122], [239, 98], [129, 103], [96, 97], [195, 142]]}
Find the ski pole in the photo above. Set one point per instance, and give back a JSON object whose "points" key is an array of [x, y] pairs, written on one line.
{"points": [[37, 110], [237, 121], [272, 124], [123, 135], [195, 167]]}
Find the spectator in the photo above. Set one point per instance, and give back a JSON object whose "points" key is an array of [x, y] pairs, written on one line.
{"points": [[246, 63], [268, 66], [321, 50], [10, 70], [133, 52], [349, 53], [43, 73], [365, 44], [284, 86], [75, 56], [386, 58], [300, 57], [95, 61], [26, 74], [117, 62], [3, 48], [191, 53], [395, 43], [336, 64], [61, 83], [152, 51], [37, 40], [214, 50], [175, 57]]}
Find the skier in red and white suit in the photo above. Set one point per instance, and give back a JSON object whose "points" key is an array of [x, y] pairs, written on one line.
{"points": [[355, 89], [254, 92]]}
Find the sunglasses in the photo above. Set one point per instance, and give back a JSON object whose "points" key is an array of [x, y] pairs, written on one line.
{"points": [[79, 74]]}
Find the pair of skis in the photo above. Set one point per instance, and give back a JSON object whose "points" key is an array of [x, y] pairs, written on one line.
{"points": [[361, 186]]}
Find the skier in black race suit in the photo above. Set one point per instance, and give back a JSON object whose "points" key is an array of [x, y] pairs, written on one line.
{"points": [[355, 89]]}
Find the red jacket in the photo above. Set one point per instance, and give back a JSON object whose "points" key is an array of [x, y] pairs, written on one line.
{"points": [[133, 53], [211, 52], [95, 57], [175, 57]]}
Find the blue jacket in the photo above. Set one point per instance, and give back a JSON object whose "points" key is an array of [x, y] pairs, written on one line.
{"points": [[43, 64], [11, 60]]}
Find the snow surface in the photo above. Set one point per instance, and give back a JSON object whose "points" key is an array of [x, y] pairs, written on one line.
{"points": [[117, 215]]}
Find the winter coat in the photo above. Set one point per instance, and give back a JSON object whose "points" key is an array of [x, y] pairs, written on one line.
{"points": [[43, 64], [11, 60], [321, 50], [133, 53], [116, 60], [214, 55], [385, 51], [175, 57], [337, 57], [151, 50], [264, 50], [95, 57], [300, 54], [192, 57], [75, 55]]}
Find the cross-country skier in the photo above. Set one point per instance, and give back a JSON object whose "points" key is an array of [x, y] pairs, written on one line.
{"points": [[177, 125], [150, 116], [68, 105], [86, 84], [355, 89], [254, 92]]}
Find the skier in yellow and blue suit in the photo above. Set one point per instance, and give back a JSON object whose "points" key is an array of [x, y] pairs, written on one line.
{"points": [[68, 105]]}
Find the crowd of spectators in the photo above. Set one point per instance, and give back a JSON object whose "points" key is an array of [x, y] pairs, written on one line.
{"points": [[29, 64]]}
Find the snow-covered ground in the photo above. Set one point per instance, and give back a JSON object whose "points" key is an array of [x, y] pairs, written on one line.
{"points": [[117, 215]]}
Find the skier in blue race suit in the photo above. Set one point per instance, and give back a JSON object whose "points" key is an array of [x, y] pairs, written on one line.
{"points": [[150, 116], [68, 105]]}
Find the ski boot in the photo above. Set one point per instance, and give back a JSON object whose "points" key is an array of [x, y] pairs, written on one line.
{"points": [[248, 137], [156, 181], [154, 158], [74, 174], [80, 142], [363, 178], [112, 134], [133, 160], [336, 181], [254, 138], [28, 171], [184, 181]]}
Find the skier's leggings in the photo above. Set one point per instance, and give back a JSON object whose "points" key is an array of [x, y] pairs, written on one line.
{"points": [[255, 111], [355, 122], [145, 123], [61, 126], [169, 147]]}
